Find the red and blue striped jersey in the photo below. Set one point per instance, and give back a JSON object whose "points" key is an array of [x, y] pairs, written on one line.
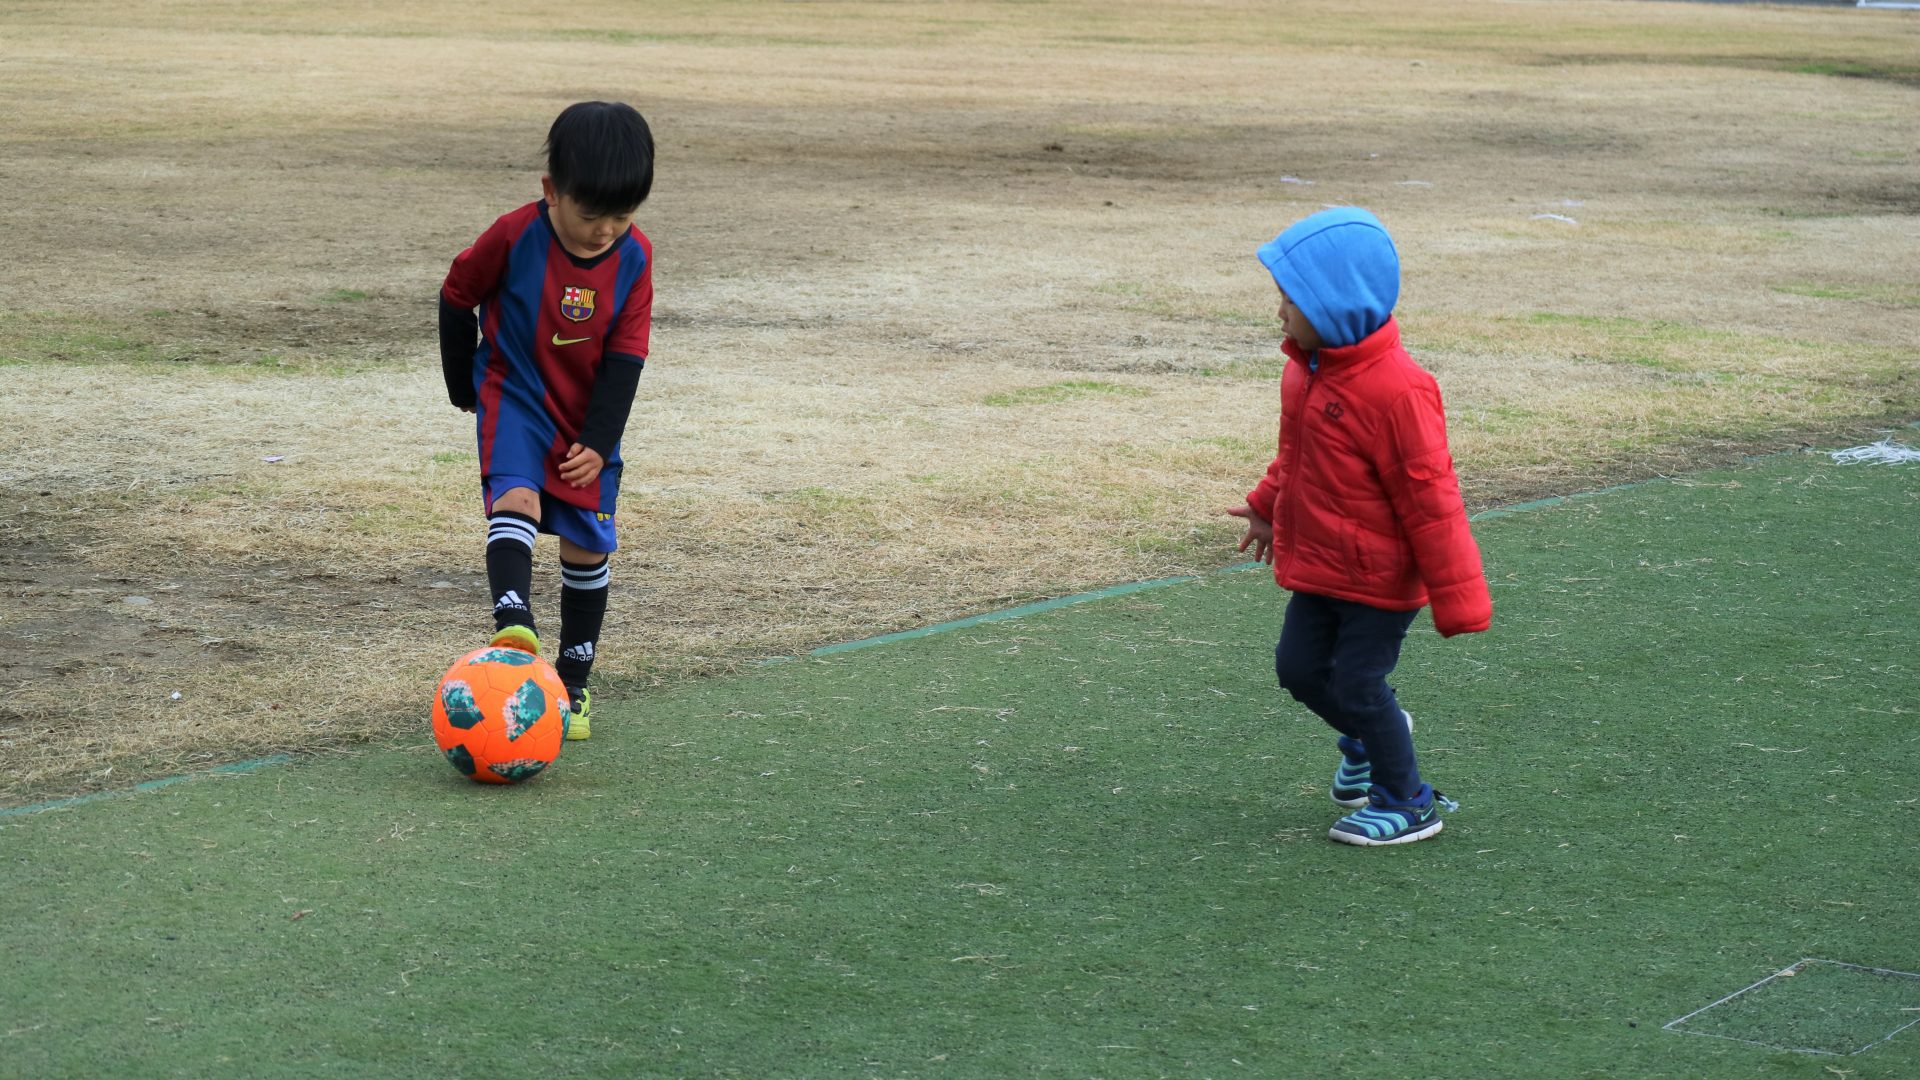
{"points": [[549, 323]]}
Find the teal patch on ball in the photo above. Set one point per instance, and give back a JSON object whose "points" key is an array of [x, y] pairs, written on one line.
{"points": [[525, 708], [461, 760], [516, 771], [457, 698], [510, 657]]}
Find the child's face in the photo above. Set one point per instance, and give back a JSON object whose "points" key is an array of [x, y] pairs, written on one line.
{"points": [[1296, 325], [582, 233]]}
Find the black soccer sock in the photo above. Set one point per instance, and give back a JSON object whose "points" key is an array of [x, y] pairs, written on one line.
{"points": [[583, 607], [510, 568]]}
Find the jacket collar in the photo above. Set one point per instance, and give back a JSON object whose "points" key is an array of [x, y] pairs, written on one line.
{"points": [[1381, 341]]}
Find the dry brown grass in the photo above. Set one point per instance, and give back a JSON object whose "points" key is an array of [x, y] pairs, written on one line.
{"points": [[957, 308]]}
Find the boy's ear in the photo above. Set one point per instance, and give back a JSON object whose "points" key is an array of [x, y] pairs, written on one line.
{"points": [[546, 189]]}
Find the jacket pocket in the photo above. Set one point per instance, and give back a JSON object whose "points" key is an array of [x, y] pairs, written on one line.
{"points": [[1356, 552]]}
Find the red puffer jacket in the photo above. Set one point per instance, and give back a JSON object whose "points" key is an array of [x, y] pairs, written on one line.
{"points": [[1363, 499]]}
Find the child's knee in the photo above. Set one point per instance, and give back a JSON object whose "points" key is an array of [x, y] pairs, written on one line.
{"points": [[574, 553], [519, 500], [1300, 678], [1360, 696]]}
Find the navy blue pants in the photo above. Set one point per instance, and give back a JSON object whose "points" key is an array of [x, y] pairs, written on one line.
{"points": [[1334, 657]]}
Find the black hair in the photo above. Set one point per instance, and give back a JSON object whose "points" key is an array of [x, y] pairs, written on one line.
{"points": [[600, 154]]}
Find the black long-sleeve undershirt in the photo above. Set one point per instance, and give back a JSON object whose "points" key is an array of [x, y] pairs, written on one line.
{"points": [[459, 340], [614, 387]]}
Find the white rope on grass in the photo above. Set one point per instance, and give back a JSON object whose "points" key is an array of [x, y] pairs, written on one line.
{"points": [[1789, 972], [1884, 452]]}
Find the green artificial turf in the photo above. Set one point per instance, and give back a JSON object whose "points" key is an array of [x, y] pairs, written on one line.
{"points": [[1088, 842]]}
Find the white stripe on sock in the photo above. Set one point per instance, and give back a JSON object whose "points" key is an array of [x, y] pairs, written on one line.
{"points": [[511, 528], [594, 578]]}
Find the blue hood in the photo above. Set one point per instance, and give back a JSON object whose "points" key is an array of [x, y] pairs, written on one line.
{"points": [[1340, 269]]}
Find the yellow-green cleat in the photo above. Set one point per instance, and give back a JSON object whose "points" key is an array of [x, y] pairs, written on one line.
{"points": [[577, 726], [517, 637]]}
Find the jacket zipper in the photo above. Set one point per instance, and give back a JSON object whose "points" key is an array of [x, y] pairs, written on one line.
{"points": [[1299, 456]]}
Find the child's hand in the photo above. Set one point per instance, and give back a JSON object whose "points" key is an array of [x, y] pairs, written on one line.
{"points": [[1259, 533], [581, 466]]}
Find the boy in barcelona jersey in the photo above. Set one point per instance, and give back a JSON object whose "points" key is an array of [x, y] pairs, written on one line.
{"points": [[544, 324]]}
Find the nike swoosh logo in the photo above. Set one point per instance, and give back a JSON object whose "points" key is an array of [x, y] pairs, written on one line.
{"points": [[558, 340]]}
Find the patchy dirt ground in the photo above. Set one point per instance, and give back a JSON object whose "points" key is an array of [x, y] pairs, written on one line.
{"points": [[957, 307]]}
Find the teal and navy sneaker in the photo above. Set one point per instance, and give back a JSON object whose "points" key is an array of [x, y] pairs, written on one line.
{"points": [[1355, 774], [1387, 820]]}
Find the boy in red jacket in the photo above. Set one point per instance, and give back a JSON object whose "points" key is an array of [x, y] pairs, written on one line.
{"points": [[1359, 515]]}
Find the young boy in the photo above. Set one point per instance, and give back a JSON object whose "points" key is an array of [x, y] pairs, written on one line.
{"points": [[1360, 515], [564, 288]]}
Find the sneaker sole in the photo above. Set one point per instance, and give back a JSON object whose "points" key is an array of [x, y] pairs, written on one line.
{"points": [[528, 642], [1367, 841]]}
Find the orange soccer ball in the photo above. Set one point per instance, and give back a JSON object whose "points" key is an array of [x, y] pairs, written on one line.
{"points": [[500, 715]]}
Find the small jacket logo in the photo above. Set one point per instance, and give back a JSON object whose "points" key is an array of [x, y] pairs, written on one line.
{"points": [[1335, 410], [576, 303]]}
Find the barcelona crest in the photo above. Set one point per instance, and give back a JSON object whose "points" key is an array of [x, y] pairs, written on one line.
{"points": [[576, 303]]}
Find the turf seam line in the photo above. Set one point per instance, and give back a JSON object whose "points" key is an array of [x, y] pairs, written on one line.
{"points": [[1120, 590], [1494, 512], [1559, 500], [147, 785], [904, 635], [1015, 612]]}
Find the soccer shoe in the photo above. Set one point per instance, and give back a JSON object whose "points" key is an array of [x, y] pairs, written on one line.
{"points": [[1355, 774], [580, 702], [517, 637], [1387, 820]]}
